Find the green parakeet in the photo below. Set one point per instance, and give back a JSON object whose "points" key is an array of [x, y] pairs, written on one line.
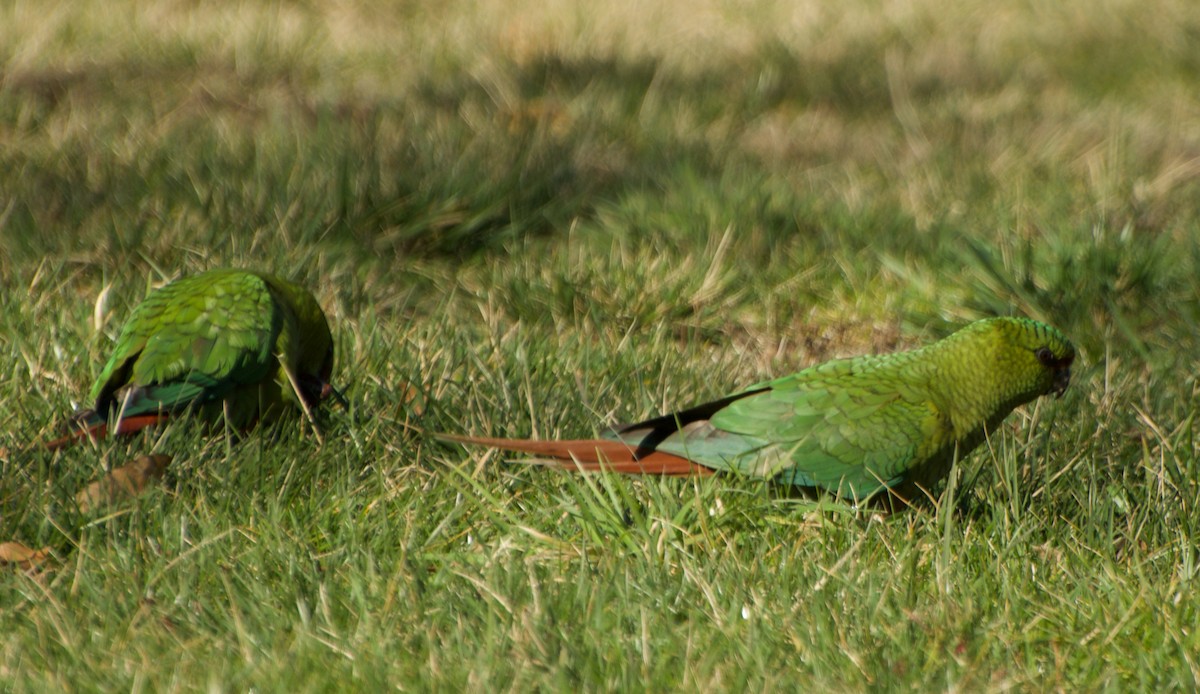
{"points": [[853, 427], [226, 345]]}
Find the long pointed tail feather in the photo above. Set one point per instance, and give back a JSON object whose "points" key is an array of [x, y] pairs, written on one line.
{"points": [[88, 425], [592, 455]]}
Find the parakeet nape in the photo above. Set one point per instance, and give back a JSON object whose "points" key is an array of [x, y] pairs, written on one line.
{"points": [[225, 345], [853, 426]]}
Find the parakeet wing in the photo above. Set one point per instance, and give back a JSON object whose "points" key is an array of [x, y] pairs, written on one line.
{"points": [[195, 340], [816, 429]]}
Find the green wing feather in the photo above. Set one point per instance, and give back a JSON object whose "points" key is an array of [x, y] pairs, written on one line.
{"points": [[221, 336], [848, 426], [853, 439]]}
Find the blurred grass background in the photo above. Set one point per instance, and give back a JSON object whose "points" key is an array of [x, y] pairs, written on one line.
{"points": [[545, 217]]}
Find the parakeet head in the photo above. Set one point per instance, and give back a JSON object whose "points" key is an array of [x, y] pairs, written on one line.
{"points": [[316, 342], [314, 358], [1037, 356]]}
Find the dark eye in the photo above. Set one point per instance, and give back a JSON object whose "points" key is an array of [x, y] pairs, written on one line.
{"points": [[1045, 356]]}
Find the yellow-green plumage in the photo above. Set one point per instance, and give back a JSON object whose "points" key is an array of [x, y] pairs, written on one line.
{"points": [[854, 426], [221, 343]]}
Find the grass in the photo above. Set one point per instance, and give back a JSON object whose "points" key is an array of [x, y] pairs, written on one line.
{"points": [[541, 218]]}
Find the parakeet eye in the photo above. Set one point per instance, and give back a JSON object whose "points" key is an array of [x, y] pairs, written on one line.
{"points": [[1045, 356]]}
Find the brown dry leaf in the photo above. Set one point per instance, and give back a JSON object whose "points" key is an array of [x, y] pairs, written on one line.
{"points": [[412, 404], [124, 482], [413, 399], [24, 558]]}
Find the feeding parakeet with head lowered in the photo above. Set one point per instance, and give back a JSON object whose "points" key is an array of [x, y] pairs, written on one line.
{"points": [[227, 345], [853, 426]]}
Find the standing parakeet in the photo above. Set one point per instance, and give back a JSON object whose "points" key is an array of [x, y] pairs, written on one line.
{"points": [[228, 345], [851, 426]]}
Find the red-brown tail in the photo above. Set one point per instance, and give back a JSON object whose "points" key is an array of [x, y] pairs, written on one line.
{"points": [[593, 455], [87, 428]]}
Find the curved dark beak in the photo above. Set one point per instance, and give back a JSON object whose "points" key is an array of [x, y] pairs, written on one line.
{"points": [[328, 391], [315, 390], [1062, 379]]}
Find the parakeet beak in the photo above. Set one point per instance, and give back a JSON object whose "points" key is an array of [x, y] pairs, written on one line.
{"points": [[315, 390], [328, 391], [1062, 379]]}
